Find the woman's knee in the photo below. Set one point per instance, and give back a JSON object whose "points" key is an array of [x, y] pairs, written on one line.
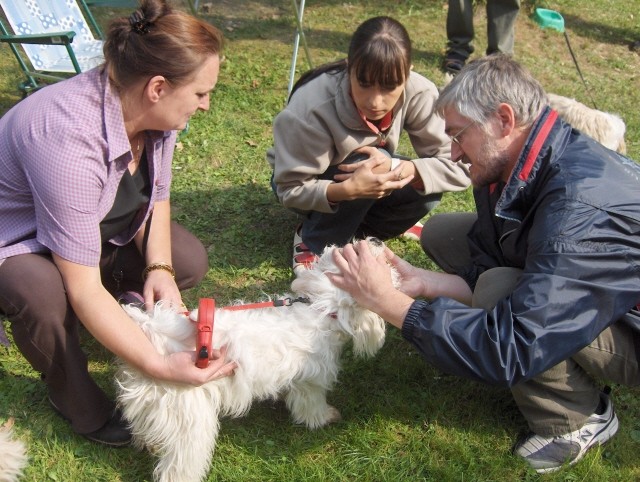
{"points": [[190, 258], [31, 285]]}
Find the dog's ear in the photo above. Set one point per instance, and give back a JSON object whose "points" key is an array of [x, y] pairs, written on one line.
{"points": [[366, 328]]}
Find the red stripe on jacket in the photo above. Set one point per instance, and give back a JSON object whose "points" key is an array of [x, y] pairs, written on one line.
{"points": [[537, 145]]}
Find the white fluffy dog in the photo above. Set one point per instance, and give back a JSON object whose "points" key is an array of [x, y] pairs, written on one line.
{"points": [[13, 456], [608, 129], [291, 352]]}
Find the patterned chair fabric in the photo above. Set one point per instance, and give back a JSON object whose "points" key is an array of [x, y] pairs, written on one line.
{"points": [[30, 17]]}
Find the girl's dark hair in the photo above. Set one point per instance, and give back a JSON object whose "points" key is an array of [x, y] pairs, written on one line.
{"points": [[157, 40], [379, 53]]}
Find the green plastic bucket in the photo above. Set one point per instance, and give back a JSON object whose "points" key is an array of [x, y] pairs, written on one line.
{"points": [[549, 19]]}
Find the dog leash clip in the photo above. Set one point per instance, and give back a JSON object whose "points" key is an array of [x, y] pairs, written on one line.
{"points": [[290, 301], [204, 341]]}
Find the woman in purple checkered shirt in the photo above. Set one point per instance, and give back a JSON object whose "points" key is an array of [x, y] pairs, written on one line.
{"points": [[85, 174]]}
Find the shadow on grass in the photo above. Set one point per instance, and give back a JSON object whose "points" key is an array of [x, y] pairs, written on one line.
{"points": [[600, 32], [242, 226]]}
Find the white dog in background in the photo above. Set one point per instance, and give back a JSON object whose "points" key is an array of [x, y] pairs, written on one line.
{"points": [[13, 456], [291, 352], [608, 129]]}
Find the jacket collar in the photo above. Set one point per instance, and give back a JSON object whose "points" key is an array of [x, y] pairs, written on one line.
{"points": [[534, 155]]}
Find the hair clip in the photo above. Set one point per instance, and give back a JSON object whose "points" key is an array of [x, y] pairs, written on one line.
{"points": [[138, 23]]}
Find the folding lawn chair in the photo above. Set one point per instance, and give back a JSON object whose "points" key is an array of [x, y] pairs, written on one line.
{"points": [[55, 37]]}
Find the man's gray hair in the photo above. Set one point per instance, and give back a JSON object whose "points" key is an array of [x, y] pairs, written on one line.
{"points": [[483, 84]]}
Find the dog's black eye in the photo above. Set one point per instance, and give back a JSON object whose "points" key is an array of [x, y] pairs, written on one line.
{"points": [[375, 241]]}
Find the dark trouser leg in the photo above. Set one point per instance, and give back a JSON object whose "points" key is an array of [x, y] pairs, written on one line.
{"points": [[444, 239], [393, 215], [560, 400], [45, 329], [460, 29], [384, 218], [501, 19]]}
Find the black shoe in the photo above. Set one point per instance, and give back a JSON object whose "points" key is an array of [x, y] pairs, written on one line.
{"points": [[114, 433], [453, 63]]}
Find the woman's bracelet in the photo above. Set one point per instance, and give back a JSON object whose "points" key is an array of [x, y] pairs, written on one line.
{"points": [[155, 266]]}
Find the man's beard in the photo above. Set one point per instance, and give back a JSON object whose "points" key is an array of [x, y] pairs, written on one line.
{"points": [[489, 166]]}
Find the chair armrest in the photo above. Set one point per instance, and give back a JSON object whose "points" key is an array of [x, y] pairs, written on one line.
{"points": [[56, 38]]}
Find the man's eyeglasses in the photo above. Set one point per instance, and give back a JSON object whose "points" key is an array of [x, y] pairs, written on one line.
{"points": [[456, 138]]}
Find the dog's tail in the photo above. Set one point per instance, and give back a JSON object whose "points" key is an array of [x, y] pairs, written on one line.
{"points": [[13, 456]]}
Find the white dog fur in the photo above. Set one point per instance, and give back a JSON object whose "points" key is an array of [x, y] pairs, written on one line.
{"points": [[291, 352], [606, 128], [13, 456]]}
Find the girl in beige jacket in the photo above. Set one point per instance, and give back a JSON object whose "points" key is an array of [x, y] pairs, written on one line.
{"points": [[334, 158]]}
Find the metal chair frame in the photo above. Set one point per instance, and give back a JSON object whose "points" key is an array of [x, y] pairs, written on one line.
{"points": [[298, 8]]}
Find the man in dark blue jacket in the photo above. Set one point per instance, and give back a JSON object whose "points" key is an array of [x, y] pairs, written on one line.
{"points": [[542, 284]]}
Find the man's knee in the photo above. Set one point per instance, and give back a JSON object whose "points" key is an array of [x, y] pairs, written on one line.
{"points": [[444, 239], [493, 285]]}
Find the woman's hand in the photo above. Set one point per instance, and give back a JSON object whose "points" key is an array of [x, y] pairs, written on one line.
{"points": [[180, 367], [160, 285]]}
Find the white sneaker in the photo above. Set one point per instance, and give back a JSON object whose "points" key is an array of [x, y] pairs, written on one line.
{"points": [[550, 454], [302, 258], [414, 232]]}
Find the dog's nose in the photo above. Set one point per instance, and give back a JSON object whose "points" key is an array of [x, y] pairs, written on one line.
{"points": [[375, 242]]}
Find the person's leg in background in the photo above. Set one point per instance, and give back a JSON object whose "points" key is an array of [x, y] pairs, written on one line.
{"points": [[444, 240], [460, 35], [384, 218], [501, 20]]}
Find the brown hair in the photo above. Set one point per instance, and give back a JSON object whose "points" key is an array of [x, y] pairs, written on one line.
{"points": [[379, 53], [157, 40]]}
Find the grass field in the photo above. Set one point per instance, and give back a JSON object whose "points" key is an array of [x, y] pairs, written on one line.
{"points": [[402, 420]]}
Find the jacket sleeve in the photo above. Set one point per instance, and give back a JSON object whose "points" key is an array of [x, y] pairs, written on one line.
{"points": [[433, 147], [551, 314], [302, 151]]}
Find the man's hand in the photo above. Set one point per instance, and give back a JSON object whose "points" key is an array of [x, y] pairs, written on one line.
{"points": [[411, 281], [368, 279]]}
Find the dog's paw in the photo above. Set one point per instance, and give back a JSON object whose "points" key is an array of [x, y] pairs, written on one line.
{"points": [[333, 415]]}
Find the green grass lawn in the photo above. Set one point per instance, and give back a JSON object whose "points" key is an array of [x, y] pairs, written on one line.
{"points": [[402, 420]]}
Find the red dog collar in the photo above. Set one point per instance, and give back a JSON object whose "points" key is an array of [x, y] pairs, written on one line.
{"points": [[206, 310]]}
